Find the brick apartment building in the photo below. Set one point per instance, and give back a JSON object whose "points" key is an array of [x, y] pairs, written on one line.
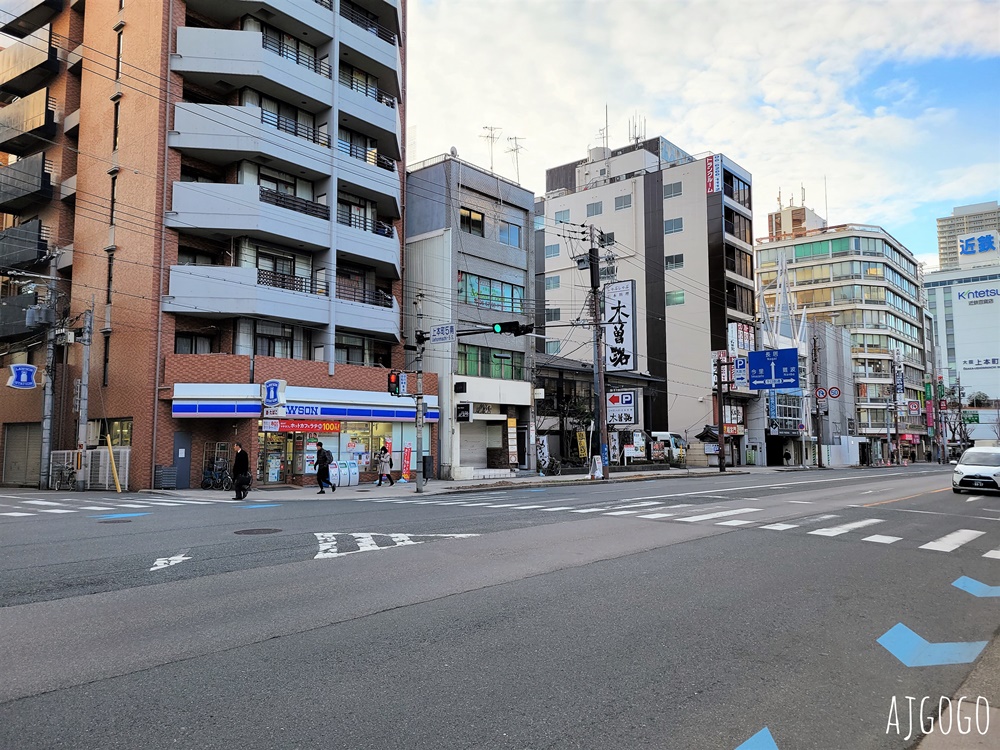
{"points": [[172, 167]]}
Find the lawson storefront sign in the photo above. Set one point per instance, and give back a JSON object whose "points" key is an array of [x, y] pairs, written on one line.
{"points": [[243, 401]]}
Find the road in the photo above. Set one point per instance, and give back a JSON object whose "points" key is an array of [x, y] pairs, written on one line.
{"points": [[775, 609]]}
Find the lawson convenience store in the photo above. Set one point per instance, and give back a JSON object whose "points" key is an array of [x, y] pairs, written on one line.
{"points": [[350, 424]]}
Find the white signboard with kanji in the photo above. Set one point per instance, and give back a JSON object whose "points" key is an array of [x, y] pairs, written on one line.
{"points": [[619, 326], [620, 406]]}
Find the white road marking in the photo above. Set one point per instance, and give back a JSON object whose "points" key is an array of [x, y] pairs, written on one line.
{"points": [[528, 507], [867, 492], [588, 510], [682, 505], [194, 502], [879, 539], [718, 514], [17, 515], [974, 497], [780, 526], [636, 505], [366, 542], [952, 541], [473, 505], [503, 505], [764, 486], [993, 553], [94, 507], [130, 505], [160, 502], [56, 510], [166, 562], [801, 502], [561, 507], [658, 515], [844, 528], [817, 519], [40, 502], [621, 513], [734, 522]]}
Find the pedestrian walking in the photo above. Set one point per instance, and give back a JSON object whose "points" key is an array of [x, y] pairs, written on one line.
{"points": [[788, 458], [323, 460], [241, 473], [384, 466]]}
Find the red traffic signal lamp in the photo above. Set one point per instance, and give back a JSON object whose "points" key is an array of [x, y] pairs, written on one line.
{"points": [[394, 383]]}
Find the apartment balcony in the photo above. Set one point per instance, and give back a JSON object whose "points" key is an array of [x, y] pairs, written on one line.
{"points": [[24, 246], [223, 134], [27, 65], [13, 310], [25, 183], [71, 124], [372, 111], [26, 124], [368, 310], [373, 243], [23, 17], [227, 291], [312, 18], [370, 46], [221, 210], [223, 61], [370, 175]]}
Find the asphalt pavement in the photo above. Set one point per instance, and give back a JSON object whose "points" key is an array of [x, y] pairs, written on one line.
{"points": [[756, 609]]}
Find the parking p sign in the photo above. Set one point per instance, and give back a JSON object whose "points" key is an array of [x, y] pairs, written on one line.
{"points": [[620, 407]]}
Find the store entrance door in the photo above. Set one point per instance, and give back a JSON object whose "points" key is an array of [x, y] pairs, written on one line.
{"points": [[273, 464]]}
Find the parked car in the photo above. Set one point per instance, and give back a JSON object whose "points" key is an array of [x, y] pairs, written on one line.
{"points": [[978, 470]]}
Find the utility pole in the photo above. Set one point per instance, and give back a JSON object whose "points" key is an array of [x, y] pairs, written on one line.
{"points": [[50, 358], [419, 473], [720, 402], [595, 289], [88, 330], [897, 379], [815, 379]]}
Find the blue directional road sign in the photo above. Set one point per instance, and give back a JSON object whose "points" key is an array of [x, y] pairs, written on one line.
{"points": [[774, 368], [760, 741], [976, 588], [914, 651]]}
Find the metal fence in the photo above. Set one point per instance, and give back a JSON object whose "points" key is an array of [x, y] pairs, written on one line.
{"points": [[95, 467]]}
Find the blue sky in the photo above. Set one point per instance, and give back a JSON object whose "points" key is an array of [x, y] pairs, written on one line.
{"points": [[895, 103]]}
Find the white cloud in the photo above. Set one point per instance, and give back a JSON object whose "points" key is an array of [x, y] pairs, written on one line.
{"points": [[772, 86]]}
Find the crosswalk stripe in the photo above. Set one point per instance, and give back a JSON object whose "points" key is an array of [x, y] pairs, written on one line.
{"points": [[880, 539], [621, 513], [56, 510], [952, 541], [95, 507], [17, 515], [130, 505], [681, 505], [993, 553], [561, 507], [194, 502], [40, 502], [718, 514], [160, 502], [528, 507], [780, 526], [734, 522], [658, 515], [504, 505], [844, 528], [639, 505], [473, 505], [588, 510]]}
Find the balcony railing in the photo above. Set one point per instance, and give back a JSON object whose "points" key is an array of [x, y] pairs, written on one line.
{"points": [[294, 203], [355, 16], [373, 92], [287, 281], [347, 218], [24, 245], [26, 121], [366, 154], [290, 125], [375, 297], [328, 4], [25, 183], [289, 52]]}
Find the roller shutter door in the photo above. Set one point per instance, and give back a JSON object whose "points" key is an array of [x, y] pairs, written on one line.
{"points": [[22, 448]]}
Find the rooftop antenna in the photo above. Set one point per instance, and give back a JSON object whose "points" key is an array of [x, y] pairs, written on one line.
{"points": [[493, 136], [779, 200], [803, 188], [514, 150], [637, 130], [826, 205]]}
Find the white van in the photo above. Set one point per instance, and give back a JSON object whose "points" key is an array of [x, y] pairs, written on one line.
{"points": [[674, 444], [978, 470]]}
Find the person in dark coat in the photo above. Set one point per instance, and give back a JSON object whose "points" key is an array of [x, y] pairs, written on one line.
{"points": [[241, 473], [323, 460]]}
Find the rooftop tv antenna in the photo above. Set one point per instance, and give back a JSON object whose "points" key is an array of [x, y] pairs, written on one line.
{"points": [[514, 150], [637, 130], [492, 136]]}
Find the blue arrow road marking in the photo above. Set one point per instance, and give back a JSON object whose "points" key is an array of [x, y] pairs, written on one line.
{"points": [[121, 515], [760, 741], [914, 651], [976, 588], [259, 505]]}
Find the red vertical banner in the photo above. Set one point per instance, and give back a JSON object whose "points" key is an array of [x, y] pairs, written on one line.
{"points": [[407, 455], [929, 404]]}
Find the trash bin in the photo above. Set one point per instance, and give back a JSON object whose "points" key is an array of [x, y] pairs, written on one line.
{"points": [[428, 467]]}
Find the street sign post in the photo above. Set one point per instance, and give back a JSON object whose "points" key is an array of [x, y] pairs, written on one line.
{"points": [[620, 407], [741, 372], [774, 368], [443, 334]]}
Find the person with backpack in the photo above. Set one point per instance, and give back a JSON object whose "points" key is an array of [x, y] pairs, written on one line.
{"points": [[384, 466], [323, 460]]}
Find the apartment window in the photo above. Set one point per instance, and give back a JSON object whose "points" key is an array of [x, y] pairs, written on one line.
{"points": [[605, 239], [111, 271], [552, 314], [510, 234], [492, 294], [562, 217], [673, 262], [552, 251], [471, 221], [672, 190], [674, 298], [192, 343], [594, 209], [107, 359], [114, 199], [622, 202], [118, 55], [539, 222], [273, 339], [115, 125], [553, 347], [484, 362], [356, 350], [673, 226], [551, 282]]}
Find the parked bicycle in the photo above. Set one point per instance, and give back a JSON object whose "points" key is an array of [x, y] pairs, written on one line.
{"points": [[64, 477], [218, 478]]}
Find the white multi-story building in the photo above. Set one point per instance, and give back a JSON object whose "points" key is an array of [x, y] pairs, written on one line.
{"points": [[976, 219], [681, 227]]}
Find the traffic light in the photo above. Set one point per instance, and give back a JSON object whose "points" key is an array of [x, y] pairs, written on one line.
{"points": [[394, 383], [512, 326]]}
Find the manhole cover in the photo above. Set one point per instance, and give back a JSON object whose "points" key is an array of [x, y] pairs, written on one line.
{"points": [[258, 531], [116, 520]]}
